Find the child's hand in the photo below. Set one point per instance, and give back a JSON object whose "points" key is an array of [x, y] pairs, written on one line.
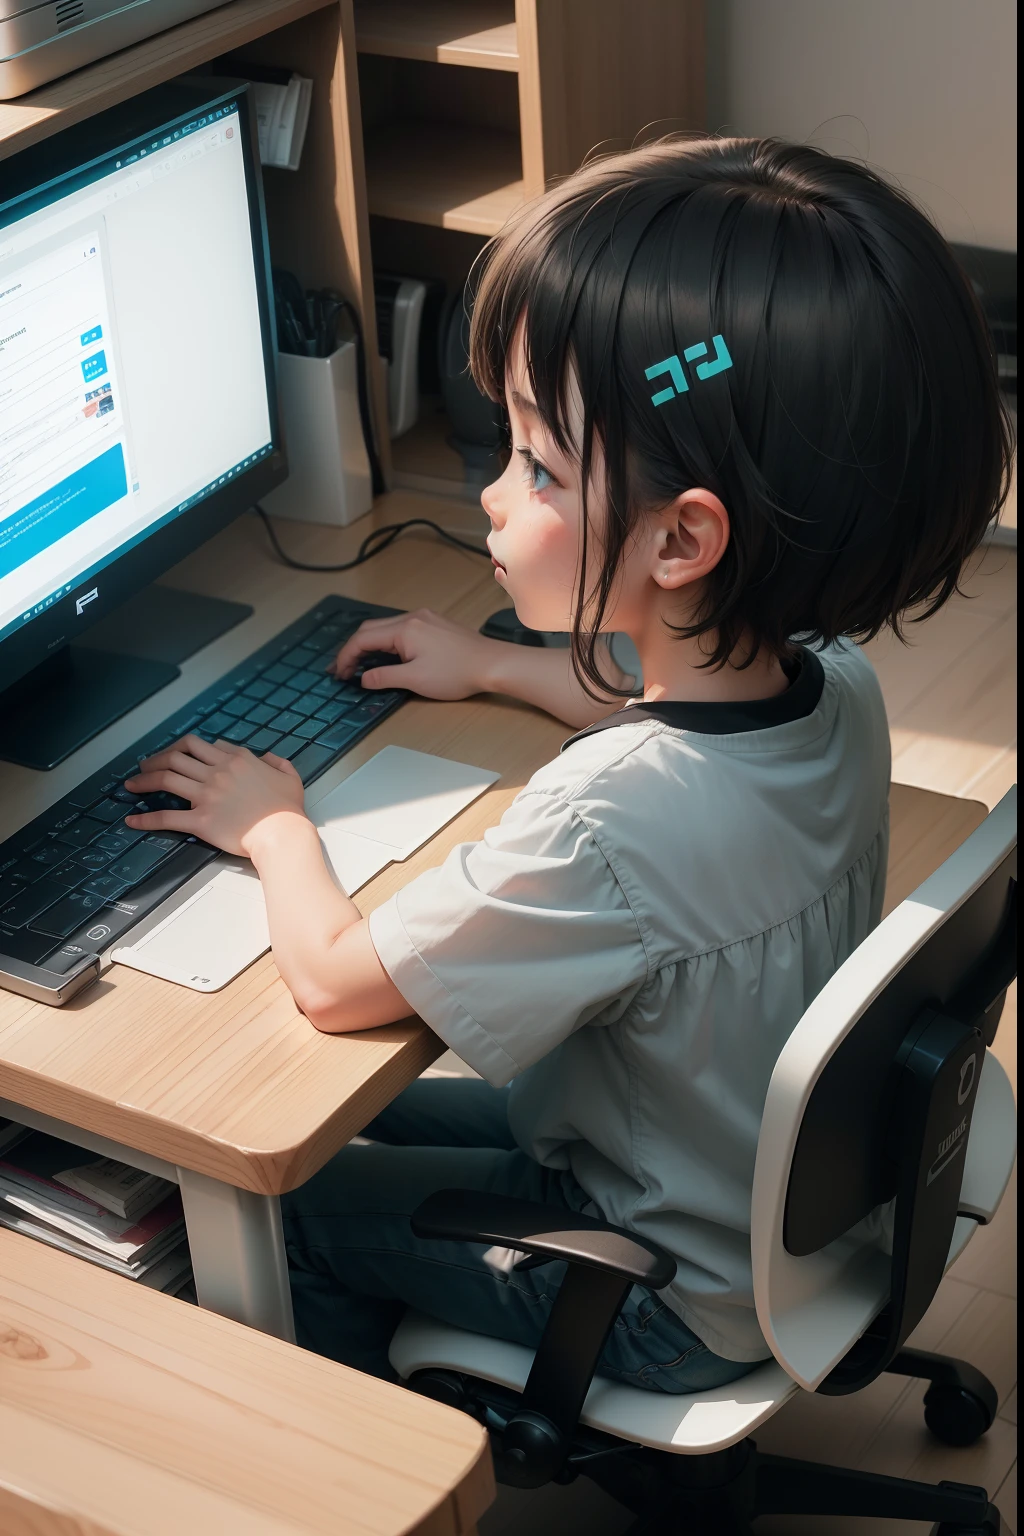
{"points": [[439, 659], [232, 793]]}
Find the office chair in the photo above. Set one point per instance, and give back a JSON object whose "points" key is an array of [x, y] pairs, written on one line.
{"points": [[885, 1092]]}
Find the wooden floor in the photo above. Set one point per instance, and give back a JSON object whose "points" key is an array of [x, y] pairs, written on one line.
{"points": [[951, 698]]}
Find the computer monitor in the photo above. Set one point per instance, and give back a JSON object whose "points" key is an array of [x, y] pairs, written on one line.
{"points": [[137, 390]]}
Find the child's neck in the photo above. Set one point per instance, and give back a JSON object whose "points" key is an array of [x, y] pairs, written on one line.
{"points": [[672, 669]]}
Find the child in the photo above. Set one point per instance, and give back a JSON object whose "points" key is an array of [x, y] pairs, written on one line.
{"points": [[754, 412]]}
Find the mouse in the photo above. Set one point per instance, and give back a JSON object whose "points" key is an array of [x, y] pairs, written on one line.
{"points": [[505, 625]]}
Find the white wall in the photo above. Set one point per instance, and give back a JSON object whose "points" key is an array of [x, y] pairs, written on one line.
{"points": [[923, 89]]}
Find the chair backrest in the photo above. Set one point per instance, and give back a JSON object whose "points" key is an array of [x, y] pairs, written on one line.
{"points": [[880, 1088]]}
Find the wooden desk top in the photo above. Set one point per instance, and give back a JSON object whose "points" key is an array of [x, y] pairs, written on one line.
{"points": [[237, 1084], [122, 1410]]}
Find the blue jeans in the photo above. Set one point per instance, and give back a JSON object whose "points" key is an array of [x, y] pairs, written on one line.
{"points": [[355, 1265]]}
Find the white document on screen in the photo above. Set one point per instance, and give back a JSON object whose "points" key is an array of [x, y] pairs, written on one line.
{"points": [[216, 925]]}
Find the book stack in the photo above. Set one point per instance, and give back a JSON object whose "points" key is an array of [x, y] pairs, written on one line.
{"points": [[103, 1211]]}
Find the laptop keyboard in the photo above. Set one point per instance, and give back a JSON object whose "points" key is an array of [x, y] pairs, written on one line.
{"points": [[76, 878]]}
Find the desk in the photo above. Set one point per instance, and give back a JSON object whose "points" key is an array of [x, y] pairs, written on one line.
{"points": [[234, 1094]]}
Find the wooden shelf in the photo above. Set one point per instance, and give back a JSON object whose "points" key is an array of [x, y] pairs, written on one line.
{"points": [[103, 84], [480, 34], [444, 174]]}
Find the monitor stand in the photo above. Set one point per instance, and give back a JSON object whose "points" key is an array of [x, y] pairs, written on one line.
{"points": [[128, 655]]}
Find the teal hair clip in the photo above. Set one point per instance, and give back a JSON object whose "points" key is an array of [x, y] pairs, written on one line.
{"points": [[674, 368]]}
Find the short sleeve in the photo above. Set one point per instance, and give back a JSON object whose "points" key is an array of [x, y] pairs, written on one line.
{"points": [[514, 942]]}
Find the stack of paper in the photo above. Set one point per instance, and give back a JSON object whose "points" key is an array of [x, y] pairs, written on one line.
{"points": [[151, 1248], [282, 114]]}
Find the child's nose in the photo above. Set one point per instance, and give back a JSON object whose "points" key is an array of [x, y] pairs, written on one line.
{"points": [[490, 500]]}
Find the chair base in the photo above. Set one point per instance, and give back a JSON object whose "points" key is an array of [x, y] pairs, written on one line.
{"points": [[722, 1494]]}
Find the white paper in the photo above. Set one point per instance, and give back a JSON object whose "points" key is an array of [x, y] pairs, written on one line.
{"points": [[208, 939], [399, 799]]}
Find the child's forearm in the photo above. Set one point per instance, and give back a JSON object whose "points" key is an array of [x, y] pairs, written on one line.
{"points": [[543, 676]]}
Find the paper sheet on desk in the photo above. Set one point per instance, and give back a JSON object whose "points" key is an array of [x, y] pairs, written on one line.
{"points": [[379, 815]]}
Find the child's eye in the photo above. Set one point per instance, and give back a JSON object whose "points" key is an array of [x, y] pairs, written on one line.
{"points": [[539, 477]]}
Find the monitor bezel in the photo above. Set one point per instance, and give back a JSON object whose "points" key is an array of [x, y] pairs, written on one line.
{"points": [[33, 170]]}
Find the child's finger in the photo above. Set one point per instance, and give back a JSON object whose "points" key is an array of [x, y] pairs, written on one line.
{"points": [[163, 821], [373, 635]]}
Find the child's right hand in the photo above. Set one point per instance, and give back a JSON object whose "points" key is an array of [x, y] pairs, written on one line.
{"points": [[438, 658]]}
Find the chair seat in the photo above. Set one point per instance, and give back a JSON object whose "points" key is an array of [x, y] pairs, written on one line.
{"points": [[688, 1424]]}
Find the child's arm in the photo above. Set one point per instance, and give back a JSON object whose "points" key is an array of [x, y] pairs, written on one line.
{"points": [[444, 660]]}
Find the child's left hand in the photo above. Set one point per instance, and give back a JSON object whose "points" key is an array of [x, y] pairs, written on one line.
{"points": [[232, 793]]}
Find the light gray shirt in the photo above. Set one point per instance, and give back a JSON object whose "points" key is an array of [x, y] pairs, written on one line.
{"points": [[635, 940]]}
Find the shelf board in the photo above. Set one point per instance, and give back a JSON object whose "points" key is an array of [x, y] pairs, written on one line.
{"points": [[480, 34], [64, 102], [445, 174]]}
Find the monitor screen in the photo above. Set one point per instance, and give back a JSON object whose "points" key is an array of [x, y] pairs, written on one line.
{"points": [[133, 376]]}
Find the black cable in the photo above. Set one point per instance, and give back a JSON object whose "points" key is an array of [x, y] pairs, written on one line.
{"points": [[376, 473], [374, 543]]}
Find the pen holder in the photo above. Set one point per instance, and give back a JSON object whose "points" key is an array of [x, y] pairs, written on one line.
{"points": [[328, 470]]}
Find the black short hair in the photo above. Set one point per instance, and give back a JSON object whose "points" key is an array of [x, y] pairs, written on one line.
{"points": [[854, 428]]}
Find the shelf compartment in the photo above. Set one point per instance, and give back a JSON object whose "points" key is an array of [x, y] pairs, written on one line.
{"points": [[444, 174], [480, 34], [26, 119]]}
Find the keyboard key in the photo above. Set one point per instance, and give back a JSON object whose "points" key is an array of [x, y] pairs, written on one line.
{"points": [[289, 745], [239, 732], [23, 945], [67, 915], [30, 902], [333, 710], [308, 704], [259, 689], [9, 857], [106, 886], [107, 810], [44, 858], [281, 698], [287, 720], [326, 688], [216, 724], [311, 759], [9, 889], [83, 830], [137, 862], [302, 656], [97, 857], [309, 728], [64, 817], [278, 674], [163, 800], [168, 841], [329, 636], [367, 712], [69, 875], [84, 796], [305, 680], [335, 737], [64, 959], [236, 708], [259, 714], [263, 741], [125, 836]]}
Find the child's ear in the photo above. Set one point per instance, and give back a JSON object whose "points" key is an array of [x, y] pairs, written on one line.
{"points": [[691, 535]]}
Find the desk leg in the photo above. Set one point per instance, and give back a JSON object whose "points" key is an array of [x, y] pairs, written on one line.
{"points": [[238, 1256]]}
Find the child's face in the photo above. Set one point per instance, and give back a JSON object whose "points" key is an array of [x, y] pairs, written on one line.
{"points": [[535, 512]]}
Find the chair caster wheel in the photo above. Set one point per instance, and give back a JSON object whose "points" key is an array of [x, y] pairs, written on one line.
{"points": [[956, 1416]]}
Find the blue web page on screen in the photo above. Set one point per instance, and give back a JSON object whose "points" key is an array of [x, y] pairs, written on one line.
{"points": [[132, 377]]}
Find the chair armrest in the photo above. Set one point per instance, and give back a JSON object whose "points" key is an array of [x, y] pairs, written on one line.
{"points": [[545, 1231]]}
